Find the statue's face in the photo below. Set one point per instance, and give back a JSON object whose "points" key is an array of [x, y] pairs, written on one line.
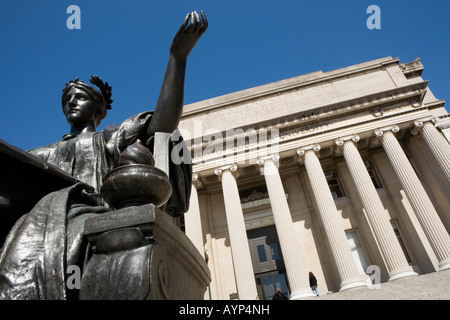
{"points": [[79, 108]]}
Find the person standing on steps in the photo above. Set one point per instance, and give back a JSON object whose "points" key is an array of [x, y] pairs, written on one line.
{"points": [[313, 283]]}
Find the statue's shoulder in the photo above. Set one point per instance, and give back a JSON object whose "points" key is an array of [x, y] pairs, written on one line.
{"points": [[44, 151], [43, 148]]}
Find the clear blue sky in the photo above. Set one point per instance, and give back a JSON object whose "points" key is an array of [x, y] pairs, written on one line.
{"points": [[248, 43]]}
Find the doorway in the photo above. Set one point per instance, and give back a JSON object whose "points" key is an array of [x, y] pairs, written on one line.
{"points": [[267, 260]]}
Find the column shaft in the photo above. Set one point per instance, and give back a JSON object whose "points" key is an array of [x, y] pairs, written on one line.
{"points": [[393, 255], [438, 145], [243, 267], [193, 223], [418, 198], [337, 239], [297, 275]]}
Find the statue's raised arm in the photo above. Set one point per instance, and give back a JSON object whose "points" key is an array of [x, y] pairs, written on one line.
{"points": [[170, 103]]}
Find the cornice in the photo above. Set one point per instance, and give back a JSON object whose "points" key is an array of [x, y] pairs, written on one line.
{"points": [[375, 103]]}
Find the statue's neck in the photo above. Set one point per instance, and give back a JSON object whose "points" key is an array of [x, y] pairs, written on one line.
{"points": [[90, 127]]}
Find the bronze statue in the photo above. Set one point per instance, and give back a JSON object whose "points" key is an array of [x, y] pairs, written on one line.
{"points": [[50, 237]]}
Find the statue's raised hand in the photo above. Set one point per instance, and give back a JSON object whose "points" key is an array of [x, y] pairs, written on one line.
{"points": [[188, 35], [169, 107]]}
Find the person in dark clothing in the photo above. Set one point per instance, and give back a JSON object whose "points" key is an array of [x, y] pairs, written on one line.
{"points": [[313, 283], [279, 295]]}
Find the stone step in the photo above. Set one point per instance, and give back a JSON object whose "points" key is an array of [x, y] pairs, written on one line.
{"points": [[431, 286]]}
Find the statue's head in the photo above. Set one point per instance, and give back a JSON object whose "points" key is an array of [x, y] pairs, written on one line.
{"points": [[83, 104]]}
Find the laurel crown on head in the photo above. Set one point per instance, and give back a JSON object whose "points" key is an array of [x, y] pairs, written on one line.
{"points": [[105, 88]]}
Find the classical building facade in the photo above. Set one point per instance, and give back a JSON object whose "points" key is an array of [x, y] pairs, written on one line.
{"points": [[345, 174]]}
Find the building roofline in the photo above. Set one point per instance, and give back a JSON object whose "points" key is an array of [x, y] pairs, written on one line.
{"points": [[306, 80]]}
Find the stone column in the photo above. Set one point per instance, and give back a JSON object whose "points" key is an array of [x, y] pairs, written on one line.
{"points": [[423, 207], [297, 275], [192, 219], [242, 261], [337, 239], [438, 145], [392, 253]]}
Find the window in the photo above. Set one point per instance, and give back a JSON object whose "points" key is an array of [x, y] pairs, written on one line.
{"points": [[400, 240], [373, 175], [357, 251], [334, 184], [261, 253]]}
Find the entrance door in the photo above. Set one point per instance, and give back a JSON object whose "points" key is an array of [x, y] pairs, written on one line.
{"points": [[267, 283], [267, 260]]}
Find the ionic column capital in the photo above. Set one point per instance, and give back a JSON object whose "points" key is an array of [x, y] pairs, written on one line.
{"points": [[273, 157], [302, 151], [269, 164], [381, 131], [313, 147], [196, 182], [419, 123], [228, 167], [342, 140]]}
